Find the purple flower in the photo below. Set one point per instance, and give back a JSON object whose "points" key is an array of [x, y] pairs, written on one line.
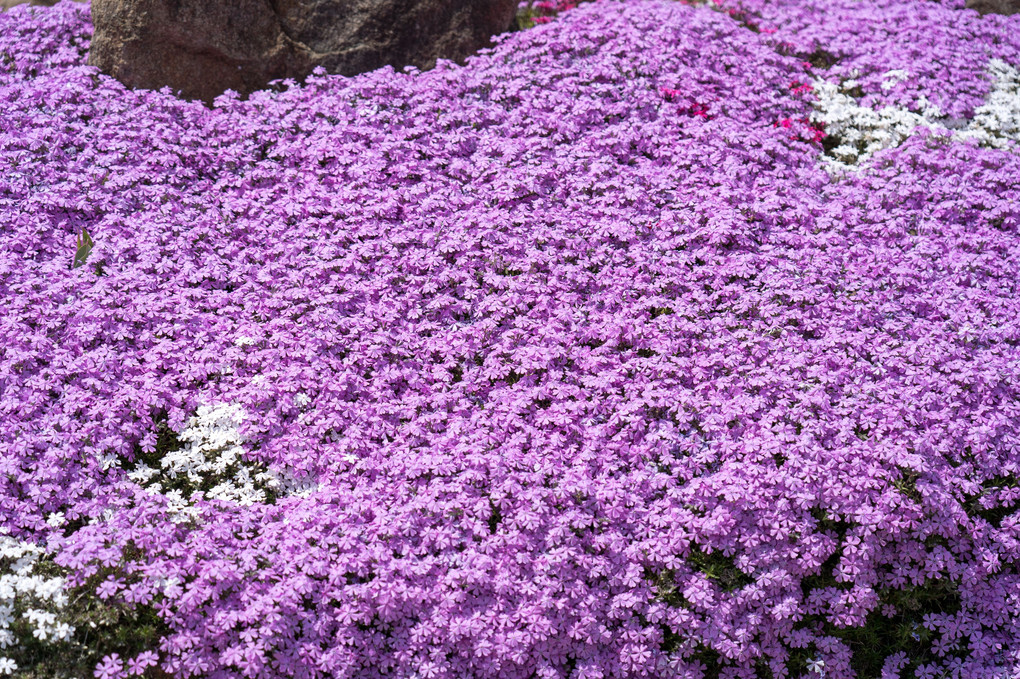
{"points": [[110, 668], [579, 357], [143, 661]]}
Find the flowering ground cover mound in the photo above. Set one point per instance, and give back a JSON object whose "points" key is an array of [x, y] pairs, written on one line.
{"points": [[659, 340]]}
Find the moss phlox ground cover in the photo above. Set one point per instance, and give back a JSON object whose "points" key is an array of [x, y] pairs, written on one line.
{"points": [[659, 340]]}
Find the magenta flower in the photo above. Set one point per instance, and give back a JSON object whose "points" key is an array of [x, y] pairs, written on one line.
{"points": [[110, 668], [579, 358]]}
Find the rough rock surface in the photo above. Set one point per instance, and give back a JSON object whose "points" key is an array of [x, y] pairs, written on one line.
{"points": [[995, 6], [204, 47]]}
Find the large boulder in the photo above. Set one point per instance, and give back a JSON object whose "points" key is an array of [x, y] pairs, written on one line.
{"points": [[995, 6], [203, 47]]}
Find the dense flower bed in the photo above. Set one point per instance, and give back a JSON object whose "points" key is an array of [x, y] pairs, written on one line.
{"points": [[657, 341]]}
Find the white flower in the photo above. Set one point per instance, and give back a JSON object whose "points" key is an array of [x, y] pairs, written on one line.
{"points": [[891, 78], [24, 565], [62, 631], [997, 122], [51, 589], [7, 590], [243, 341], [13, 549], [108, 461], [292, 485], [170, 586], [214, 454], [864, 131], [142, 473], [816, 665], [56, 519], [25, 583], [7, 666], [44, 623]]}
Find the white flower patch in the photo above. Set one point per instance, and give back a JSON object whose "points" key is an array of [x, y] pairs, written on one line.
{"points": [[212, 462], [892, 78], [169, 586], [997, 123], [179, 509], [28, 596], [213, 444], [863, 131], [290, 485]]}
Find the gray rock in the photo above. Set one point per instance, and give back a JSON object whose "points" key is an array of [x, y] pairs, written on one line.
{"points": [[995, 6], [203, 47], [955, 123], [197, 47]]}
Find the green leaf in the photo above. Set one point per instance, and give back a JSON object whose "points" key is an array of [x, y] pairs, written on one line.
{"points": [[84, 248]]}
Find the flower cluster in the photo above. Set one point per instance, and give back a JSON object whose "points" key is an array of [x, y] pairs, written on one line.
{"points": [[210, 464], [590, 366], [996, 123], [535, 12], [31, 603], [860, 132]]}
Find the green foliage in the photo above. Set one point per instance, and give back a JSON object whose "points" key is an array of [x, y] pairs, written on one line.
{"points": [[894, 626], [101, 627], [883, 635], [718, 568], [988, 505], [166, 442], [84, 248], [525, 18], [906, 484]]}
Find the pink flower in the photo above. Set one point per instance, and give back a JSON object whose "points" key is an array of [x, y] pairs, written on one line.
{"points": [[110, 668], [138, 665]]}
